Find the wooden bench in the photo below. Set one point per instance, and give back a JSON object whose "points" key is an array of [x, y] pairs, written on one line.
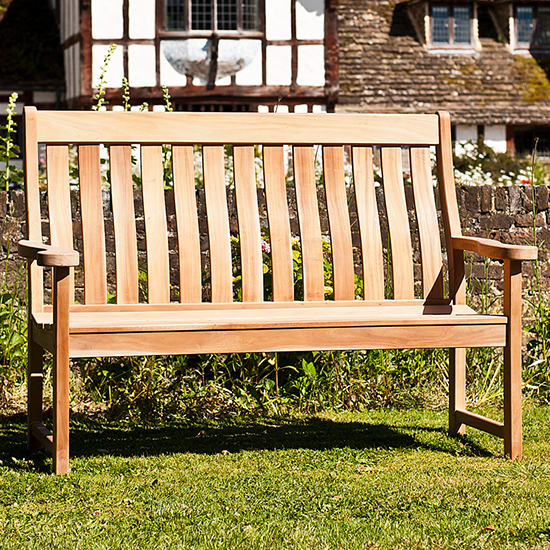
{"points": [[426, 307]]}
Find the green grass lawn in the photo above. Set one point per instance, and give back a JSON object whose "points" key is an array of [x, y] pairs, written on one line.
{"points": [[376, 479]]}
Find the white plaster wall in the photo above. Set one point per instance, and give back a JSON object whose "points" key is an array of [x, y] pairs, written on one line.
{"points": [[107, 21], [495, 137], [278, 65], [141, 65], [319, 108], [311, 65], [141, 19], [115, 68], [300, 108], [310, 19], [251, 75], [277, 20], [466, 132]]}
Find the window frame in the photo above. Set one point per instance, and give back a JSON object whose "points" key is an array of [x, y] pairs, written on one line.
{"points": [[451, 44], [197, 33], [534, 43]]}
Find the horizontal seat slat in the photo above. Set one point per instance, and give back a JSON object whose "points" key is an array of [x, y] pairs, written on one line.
{"points": [[238, 128], [281, 317]]}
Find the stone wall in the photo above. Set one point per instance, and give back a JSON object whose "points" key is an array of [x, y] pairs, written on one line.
{"points": [[504, 213]]}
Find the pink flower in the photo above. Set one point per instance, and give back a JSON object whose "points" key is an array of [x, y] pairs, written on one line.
{"points": [[265, 247]]}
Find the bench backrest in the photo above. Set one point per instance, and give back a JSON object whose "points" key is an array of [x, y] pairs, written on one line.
{"points": [[378, 148]]}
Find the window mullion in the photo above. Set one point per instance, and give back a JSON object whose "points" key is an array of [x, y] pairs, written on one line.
{"points": [[239, 15], [214, 11]]}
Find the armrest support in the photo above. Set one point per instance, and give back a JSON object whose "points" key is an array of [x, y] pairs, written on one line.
{"points": [[48, 256], [494, 249]]}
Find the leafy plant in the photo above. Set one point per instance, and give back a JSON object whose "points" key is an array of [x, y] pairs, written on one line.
{"points": [[99, 98], [9, 150], [13, 321]]}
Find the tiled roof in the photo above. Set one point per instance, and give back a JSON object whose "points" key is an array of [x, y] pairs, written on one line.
{"points": [[384, 66]]}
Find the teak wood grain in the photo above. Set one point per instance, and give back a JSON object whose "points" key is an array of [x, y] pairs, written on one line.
{"points": [[221, 274], [369, 224], [279, 224], [59, 200], [339, 223], [152, 128], [156, 235], [93, 228], [249, 225], [310, 225], [222, 287], [189, 248], [428, 225], [398, 223], [122, 199]]}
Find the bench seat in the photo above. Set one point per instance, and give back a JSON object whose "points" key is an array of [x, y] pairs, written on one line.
{"points": [[298, 326]]}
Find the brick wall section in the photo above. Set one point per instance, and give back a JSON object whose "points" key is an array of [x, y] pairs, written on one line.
{"points": [[505, 213]]}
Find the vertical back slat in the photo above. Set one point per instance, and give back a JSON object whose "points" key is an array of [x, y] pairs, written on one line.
{"points": [[187, 225], [93, 230], [339, 223], [156, 234], [369, 223], [449, 208], [428, 226], [249, 224], [398, 224], [59, 198], [279, 224], [310, 225], [218, 224], [122, 197]]}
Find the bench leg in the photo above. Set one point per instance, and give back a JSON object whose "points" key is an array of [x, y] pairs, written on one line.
{"points": [[512, 360], [457, 389], [62, 288], [34, 390]]}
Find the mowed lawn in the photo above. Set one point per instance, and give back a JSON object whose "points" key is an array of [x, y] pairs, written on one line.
{"points": [[375, 479]]}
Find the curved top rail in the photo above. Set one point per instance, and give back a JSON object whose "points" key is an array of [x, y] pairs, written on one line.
{"points": [[92, 127]]}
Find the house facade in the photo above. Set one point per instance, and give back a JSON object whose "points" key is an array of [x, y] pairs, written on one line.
{"points": [[487, 62], [241, 55]]}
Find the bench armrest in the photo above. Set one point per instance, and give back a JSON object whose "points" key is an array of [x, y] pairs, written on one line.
{"points": [[47, 255], [494, 249]]}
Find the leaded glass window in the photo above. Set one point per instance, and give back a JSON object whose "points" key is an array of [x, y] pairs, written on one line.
{"points": [[211, 15], [533, 25], [451, 25]]}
